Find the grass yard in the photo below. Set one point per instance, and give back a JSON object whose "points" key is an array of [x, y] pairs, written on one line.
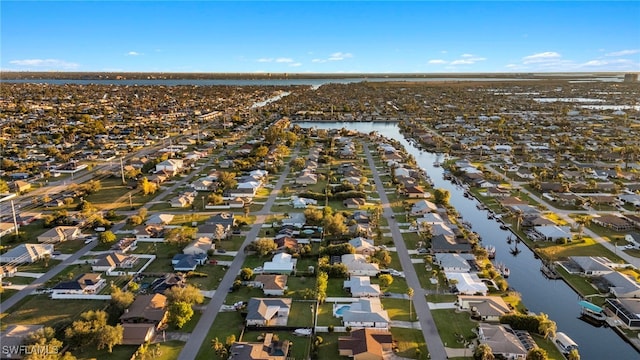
{"points": [[40, 266], [335, 288], [548, 346], [449, 323], [585, 247], [329, 347], [244, 293], [325, 316], [581, 284], [398, 309], [215, 274], [301, 314], [408, 340], [40, 309], [299, 348], [70, 247], [120, 352], [7, 293], [227, 323], [297, 286]]}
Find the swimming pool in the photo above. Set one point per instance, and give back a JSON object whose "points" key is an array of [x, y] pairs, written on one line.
{"points": [[338, 310]]}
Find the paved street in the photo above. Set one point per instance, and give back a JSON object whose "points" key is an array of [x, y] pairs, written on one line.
{"points": [[200, 332], [429, 330]]}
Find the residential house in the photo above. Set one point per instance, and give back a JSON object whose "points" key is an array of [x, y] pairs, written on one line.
{"points": [[59, 234], [613, 222], [361, 216], [453, 262], [7, 228], [621, 285], [268, 349], [83, 284], [184, 199], [626, 310], [146, 315], [21, 187], [268, 312], [466, 283], [354, 203], [13, 337], [416, 192], [366, 313], [302, 203], [592, 265], [282, 263], [26, 253], [307, 178], [422, 207], [633, 239], [149, 232], [272, 285], [201, 245], [295, 219], [159, 219], [361, 286], [170, 166], [634, 219], [169, 280], [363, 246], [485, 308], [111, 261], [225, 219], [188, 262], [286, 244], [358, 265], [366, 344], [552, 232], [502, 341], [449, 244]]}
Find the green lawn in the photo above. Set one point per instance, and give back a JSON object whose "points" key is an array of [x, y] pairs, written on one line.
{"points": [[161, 351], [244, 293], [69, 247], [329, 347], [585, 247], [398, 309], [549, 347], [40, 309], [408, 340], [297, 286], [301, 314], [325, 315], [40, 266], [215, 274], [449, 323], [299, 348], [7, 293], [335, 288], [227, 323]]}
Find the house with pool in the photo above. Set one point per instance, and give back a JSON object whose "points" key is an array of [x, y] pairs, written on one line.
{"points": [[364, 313]]}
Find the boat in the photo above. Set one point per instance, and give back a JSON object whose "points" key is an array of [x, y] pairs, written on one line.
{"points": [[436, 164], [503, 270], [302, 332], [504, 227], [564, 343], [549, 272], [489, 215], [592, 311], [491, 251]]}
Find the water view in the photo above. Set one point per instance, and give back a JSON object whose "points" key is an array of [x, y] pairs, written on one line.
{"points": [[552, 297]]}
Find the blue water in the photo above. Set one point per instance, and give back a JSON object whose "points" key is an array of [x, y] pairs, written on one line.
{"points": [[342, 309]]}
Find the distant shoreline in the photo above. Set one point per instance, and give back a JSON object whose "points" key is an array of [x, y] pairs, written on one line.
{"points": [[10, 75]]}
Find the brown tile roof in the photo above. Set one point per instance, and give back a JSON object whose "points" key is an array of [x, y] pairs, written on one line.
{"points": [[372, 341], [151, 308]]}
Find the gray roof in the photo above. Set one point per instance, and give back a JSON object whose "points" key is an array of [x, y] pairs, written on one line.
{"points": [[366, 310], [258, 308]]}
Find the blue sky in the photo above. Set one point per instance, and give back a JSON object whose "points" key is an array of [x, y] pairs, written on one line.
{"points": [[322, 37]]}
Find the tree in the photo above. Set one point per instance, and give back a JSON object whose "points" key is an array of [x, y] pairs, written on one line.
{"points": [[322, 281], [227, 180], [43, 338], [442, 196], [147, 186], [46, 258], [180, 236], [107, 237], [246, 274], [335, 224], [483, 352], [385, 280], [264, 246], [121, 299], [219, 232], [188, 294], [109, 336], [180, 313], [218, 347], [230, 340], [313, 216], [215, 199], [410, 295], [537, 354], [547, 327], [573, 355], [85, 331], [382, 257]]}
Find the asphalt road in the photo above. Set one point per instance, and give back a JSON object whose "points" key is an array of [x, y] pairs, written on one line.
{"points": [[428, 325], [201, 331]]}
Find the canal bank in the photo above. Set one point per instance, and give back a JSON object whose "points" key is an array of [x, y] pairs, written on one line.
{"points": [[539, 294]]}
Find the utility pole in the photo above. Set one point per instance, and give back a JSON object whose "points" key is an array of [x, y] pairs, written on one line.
{"points": [[122, 171], [130, 202], [15, 221]]}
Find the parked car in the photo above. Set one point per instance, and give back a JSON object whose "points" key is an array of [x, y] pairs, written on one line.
{"points": [[6, 283]]}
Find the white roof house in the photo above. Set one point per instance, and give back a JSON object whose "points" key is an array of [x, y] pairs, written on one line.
{"points": [[466, 283], [360, 286], [282, 263], [26, 253], [553, 232], [423, 207], [622, 286], [200, 245], [451, 262], [357, 265], [366, 313]]}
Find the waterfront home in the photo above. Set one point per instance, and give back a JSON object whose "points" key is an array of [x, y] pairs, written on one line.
{"points": [[621, 285], [268, 312], [268, 349], [449, 244], [366, 313], [552, 232], [485, 308], [592, 265], [613, 222], [466, 283], [502, 341], [361, 286], [627, 311], [455, 262], [422, 207], [366, 344]]}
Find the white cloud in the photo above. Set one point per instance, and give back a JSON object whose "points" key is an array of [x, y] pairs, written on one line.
{"points": [[541, 57], [468, 59], [443, 51], [296, 64], [461, 62], [623, 52], [284, 60], [133, 53], [45, 63], [318, 60], [264, 60], [467, 55], [437, 61], [337, 56], [595, 63]]}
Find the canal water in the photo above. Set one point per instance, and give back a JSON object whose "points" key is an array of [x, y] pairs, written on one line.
{"points": [[552, 297]]}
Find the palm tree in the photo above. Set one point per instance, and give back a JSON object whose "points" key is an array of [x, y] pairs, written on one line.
{"points": [[410, 294], [483, 352], [573, 355], [547, 327]]}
